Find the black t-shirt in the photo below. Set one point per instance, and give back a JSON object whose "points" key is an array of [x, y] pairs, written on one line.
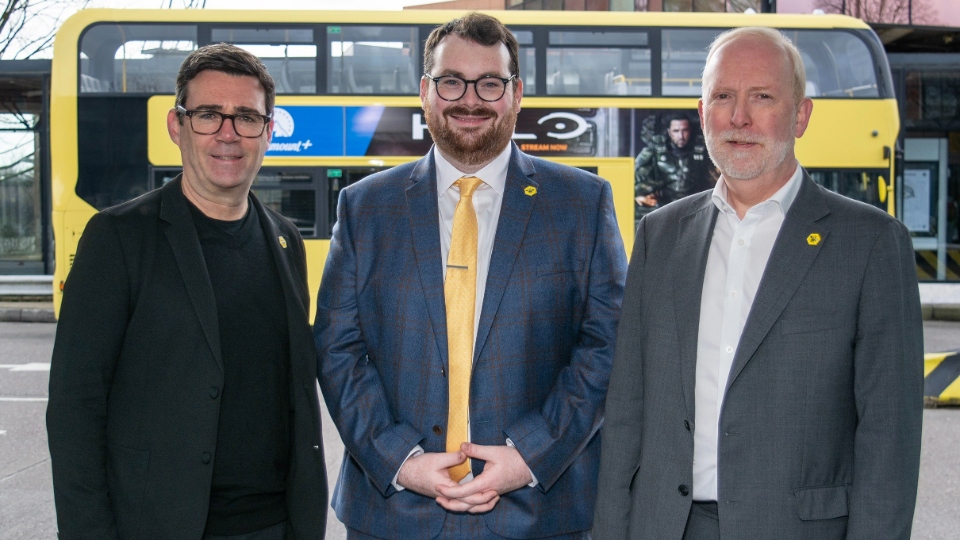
{"points": [[248, 492]]}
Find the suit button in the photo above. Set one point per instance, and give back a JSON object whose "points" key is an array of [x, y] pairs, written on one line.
{"points": [[437, 430], [686, 424], [443, 372], [214, 392], [684, 490], [205, 458]]}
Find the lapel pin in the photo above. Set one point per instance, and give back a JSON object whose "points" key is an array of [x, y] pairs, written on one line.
{"points": [[813, 239], [530, 191], [283, 242]]}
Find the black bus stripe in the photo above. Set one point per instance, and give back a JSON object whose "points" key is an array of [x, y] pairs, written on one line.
{"points": [[942, 376]]}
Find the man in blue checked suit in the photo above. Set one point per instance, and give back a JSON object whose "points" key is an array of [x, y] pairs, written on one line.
{"points": [[466, 319]]}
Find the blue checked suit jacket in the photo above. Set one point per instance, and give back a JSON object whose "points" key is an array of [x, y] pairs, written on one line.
{"points": [[542, 358]]}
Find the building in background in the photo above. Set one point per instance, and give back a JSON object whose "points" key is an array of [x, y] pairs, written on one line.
{"points": [[714, 6], [24, 182], [925, 63]]}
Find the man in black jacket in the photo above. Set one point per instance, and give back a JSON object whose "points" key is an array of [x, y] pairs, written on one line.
{"points": [[182, 393]]}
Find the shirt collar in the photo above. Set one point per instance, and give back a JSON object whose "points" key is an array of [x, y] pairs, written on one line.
{"points": [[783, 198], [494, 174]]}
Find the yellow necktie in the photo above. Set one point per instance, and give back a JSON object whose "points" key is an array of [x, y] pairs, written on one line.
{"points": [[460, 295]]}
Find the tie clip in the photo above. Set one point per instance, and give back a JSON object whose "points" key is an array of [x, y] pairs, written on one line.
{"points": [[457, 266]]}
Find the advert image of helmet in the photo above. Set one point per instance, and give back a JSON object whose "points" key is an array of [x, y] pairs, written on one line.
{"points": [[673, 162]]}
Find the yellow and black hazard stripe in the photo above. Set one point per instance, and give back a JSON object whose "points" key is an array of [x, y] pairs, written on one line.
{"points": [[941, 379], [928, 262]]}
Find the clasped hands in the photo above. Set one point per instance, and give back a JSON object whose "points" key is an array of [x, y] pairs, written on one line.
{"points": [[503, 472]]}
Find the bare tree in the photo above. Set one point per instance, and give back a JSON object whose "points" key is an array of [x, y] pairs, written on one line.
{"points": [[919, 12], [27, 27]]}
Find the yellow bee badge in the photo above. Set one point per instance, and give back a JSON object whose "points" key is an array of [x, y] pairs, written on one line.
{"points": [[813, 239], [283, 242], [530, 191]]}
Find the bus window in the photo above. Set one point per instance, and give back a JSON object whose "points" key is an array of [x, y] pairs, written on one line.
{"points": [[292, 192], [290, 54], [372, 60], [838, 64], [339, 178], [134, 58], [528, 61], [297, 205], [863, 186], [683, 55], [598, 63]]}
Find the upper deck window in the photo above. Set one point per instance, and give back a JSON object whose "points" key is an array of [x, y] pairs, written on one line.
{"points": [[372, 60], [598, 63], [289, 53], [838, 64], [528, 60], [684, 53], [134, 58]]}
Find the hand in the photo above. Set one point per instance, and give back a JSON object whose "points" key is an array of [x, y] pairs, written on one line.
{"points": [[647, 200], [503, 472], [424, 473]]}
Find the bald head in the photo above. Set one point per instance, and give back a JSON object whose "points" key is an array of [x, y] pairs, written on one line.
{"points": [[767, 37]]}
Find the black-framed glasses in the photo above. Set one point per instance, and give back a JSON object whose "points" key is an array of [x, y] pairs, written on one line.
{"points": [[207, 122], [452, 88]]}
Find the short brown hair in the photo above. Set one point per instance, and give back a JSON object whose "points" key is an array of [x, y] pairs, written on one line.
{"points": [[228, 59], [479, 28]]}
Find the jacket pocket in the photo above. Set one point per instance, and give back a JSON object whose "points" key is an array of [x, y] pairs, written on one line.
{"points": [[822, 502], [547, 269], [807, 324]]}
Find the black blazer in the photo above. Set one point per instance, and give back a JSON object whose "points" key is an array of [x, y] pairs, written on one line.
{"points": [[136, 375]]}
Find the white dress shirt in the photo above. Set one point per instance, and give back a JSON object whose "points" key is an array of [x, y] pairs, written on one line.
{"points": [[739, 251], [487, 201]]}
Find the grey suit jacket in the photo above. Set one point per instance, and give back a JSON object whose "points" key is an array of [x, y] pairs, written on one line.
{"points": [[820, 425]]}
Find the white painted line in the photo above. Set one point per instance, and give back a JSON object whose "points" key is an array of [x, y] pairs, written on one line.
{"points": [[22, 399], [32, 366], [3, 432]]}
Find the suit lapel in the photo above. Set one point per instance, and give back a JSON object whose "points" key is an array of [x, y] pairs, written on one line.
{"points": [[789, 262], [690, 265], [182, 235], [295, 294], [514, 215], [423, 212], [281, 256]]}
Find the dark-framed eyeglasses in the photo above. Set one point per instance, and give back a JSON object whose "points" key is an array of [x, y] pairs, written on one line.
{"points": [[452, 88], [207, 122]]}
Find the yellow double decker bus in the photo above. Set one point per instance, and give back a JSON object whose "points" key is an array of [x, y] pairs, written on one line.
{"points": [[613, 93]]}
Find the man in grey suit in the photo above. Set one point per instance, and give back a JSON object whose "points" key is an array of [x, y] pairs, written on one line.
{"points": [[774, 388]]}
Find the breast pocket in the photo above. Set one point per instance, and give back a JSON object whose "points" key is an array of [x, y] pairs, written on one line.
{"points": [[557, 287], [807, 324], [553, 269]]}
